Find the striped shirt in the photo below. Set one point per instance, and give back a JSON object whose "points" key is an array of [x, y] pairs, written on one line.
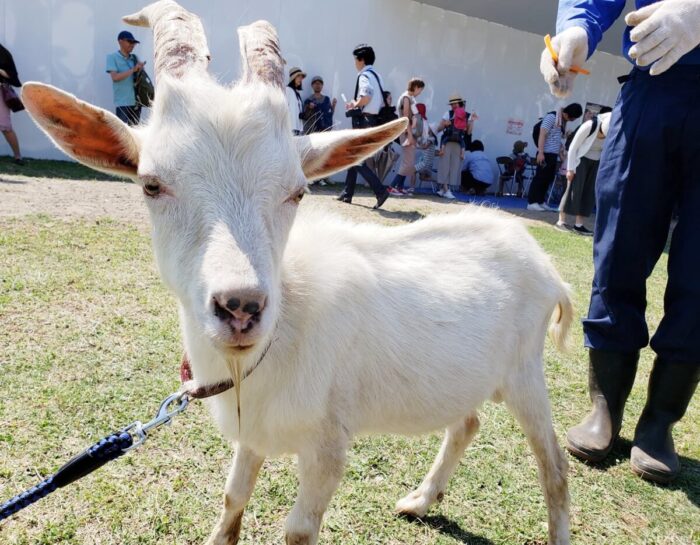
{"points": [[552, 143]]}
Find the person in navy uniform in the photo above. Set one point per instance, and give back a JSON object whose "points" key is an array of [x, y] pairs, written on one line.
{"points": [[648, 169]]}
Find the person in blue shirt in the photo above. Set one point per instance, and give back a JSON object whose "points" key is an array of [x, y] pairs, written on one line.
{"points": [[648, 169], [121, 66], [477, 172]]}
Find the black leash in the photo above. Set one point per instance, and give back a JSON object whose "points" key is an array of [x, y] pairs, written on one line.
{"points": [[110, 448]]}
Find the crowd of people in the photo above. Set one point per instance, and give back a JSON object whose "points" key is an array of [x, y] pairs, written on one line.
{"points": [[461, 161]]}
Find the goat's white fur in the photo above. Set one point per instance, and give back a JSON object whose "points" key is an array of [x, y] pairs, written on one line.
{"points": [[370, 329]]}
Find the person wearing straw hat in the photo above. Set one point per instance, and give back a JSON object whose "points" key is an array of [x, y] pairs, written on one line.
{"points": [[452, 148], [294, 102]]}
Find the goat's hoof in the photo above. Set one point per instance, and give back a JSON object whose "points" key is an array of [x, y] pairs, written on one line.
{"points": [[415, 505]]}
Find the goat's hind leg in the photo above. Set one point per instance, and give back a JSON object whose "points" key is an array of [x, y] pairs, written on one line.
{"points": [[239, 488], [526, 397], [457, 438]]}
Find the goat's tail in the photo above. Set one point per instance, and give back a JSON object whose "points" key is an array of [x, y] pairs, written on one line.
{"points": [[562, 319]]}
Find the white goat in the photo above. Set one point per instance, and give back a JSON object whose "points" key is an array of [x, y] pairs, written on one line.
{"points": [[364, 329]]}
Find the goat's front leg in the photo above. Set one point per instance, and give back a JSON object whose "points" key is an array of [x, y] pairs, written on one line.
{"points": [[239, 487], [320, 471]]}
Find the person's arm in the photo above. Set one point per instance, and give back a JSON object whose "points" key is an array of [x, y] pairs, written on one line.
{"points": [[540, 145], [444, 123], [114, 72], [364, 93], [580, 145], [594, 16]]}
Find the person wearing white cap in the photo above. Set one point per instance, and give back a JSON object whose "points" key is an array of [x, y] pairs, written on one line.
{"points": [[581, 171], [294, 102]]}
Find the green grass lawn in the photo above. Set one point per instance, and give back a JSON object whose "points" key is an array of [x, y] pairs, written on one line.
{"points": [[89, 342]]}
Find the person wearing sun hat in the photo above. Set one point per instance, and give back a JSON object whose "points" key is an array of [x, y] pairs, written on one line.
{"points": [[451, 147], [294, 102], [121, 66]]}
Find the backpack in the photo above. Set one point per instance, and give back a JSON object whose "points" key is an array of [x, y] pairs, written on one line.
{"points": [[418, 130], [536, 129], [594, 128], [143, 88]]}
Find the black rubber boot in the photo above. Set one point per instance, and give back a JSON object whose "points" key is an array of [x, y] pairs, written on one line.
{"points": [[610, 380], [671, 387]]}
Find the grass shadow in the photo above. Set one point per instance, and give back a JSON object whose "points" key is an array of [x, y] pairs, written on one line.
{"points": [[15, 182], [46, 168], [449, 528]]}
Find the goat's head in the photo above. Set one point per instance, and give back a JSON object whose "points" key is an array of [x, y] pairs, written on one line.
{"points": [[221, 173]]}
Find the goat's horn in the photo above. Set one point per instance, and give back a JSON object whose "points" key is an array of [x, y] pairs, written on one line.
{"points": [[180, 45], [260, 49]]}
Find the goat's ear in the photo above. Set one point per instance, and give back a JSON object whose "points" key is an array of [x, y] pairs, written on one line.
{"points": [[325, 153], [91, 135]]}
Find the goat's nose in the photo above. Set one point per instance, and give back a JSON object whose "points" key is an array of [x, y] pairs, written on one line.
{"points": [[241, 310]]}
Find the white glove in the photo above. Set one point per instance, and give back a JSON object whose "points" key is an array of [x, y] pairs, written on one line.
{"points": [[571, 47], [664, 32]]}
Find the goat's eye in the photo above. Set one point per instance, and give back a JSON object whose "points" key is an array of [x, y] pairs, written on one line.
{"points": [[152, 189], [296, 198]]}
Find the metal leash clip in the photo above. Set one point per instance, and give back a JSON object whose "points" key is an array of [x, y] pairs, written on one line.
{"points": [[163, 417]]}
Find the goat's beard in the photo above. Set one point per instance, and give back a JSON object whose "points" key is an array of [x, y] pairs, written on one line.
{"points": [[234, 368]]}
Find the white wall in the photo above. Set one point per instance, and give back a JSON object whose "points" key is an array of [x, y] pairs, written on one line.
{"points": [[64, 42]]}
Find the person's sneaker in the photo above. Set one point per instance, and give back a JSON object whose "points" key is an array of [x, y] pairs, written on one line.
{"points": [[440, 193], [535, 207], [562, 226], [448, 194], [19, 161], [581, 230], [548, 208], [395, 192], [409, 191], [381, 200], [343, 197]]}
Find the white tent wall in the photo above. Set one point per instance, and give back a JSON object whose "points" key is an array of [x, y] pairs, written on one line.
{"points": [[495, 68]]}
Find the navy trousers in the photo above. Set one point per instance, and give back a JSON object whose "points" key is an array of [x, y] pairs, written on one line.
{"points": [[367, 174], [649, 167]]}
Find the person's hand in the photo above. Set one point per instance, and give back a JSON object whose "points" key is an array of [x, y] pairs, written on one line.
{"points": [[311, 105], [349, 105], [139, 66], [570, 175], [334, 102], [473, 117], [571, 47], [540, 158], [461, 155], [664, 32]]}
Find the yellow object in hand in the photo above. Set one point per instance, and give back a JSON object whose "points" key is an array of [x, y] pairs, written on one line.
{"points": [[555, 57]]}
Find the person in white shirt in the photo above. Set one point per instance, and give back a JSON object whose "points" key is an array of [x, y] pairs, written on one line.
{"points": [[294, 102], [368, 98], [407, 107], [581, 170]]}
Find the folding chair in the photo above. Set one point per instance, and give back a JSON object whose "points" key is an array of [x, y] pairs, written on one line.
{"points": [[506, 175]]}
